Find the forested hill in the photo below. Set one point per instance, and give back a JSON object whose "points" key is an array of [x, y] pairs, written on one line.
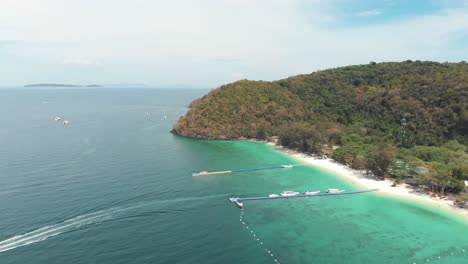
{"points": [[399, 119], [427, 101]]}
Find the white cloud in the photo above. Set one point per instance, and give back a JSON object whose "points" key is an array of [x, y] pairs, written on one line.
{"points": [[209, 42], [237, 75], [373, 12], [81, 62]]}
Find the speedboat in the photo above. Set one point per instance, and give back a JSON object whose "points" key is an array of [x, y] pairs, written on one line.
{"points": [[65, 122], [335, 191], [273, 195], [57, 118], [287, 166], [289, 193], [199, 173], [240, 204], [311, 192]]}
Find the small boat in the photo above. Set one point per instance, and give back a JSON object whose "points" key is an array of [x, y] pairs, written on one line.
{"points": [[240, 204], [311, 192], [273, 195], [199, 173], [335, 191], [289, 193], [146, 114], [287, 166], [57, 118], [164, 117], [65, 122]]}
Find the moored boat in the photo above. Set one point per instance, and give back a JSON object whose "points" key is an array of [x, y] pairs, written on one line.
{"points": [[273, 195], [289, 193], [200, 173], [311, 192], [287, 166], [335, 191]]}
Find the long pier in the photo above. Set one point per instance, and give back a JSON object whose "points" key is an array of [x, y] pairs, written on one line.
{"points": [[206, 173], [297, 196]]}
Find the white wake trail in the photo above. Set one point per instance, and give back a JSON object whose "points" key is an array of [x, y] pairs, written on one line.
{"points": [[43, 233], [77, 222]]}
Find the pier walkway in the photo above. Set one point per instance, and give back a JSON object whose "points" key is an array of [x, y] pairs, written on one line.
{"points": [[297, 196], [206, 173]]}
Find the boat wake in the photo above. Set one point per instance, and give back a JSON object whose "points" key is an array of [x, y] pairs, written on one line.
{"points": [[115, 213], [69, 225]]}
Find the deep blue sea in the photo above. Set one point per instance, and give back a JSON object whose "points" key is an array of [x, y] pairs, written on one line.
{"points": [[114, 186]]}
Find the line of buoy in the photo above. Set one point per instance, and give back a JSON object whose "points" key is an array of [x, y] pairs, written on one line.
{"points": [[256, 238]]}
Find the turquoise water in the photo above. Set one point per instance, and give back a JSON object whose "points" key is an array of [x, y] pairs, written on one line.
{"points": [[114, 186]]}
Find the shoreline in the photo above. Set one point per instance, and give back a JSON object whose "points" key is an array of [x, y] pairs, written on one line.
{"points": [[358, 178]]}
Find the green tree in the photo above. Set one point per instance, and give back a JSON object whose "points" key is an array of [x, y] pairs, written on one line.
{"points": [[441, 175], [379, 159], [460, 172]]}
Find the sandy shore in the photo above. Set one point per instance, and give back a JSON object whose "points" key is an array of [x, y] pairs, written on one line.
{"points": [[360, 179]]}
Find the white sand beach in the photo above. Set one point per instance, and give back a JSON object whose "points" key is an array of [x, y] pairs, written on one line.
{"points": [[385, 186]]}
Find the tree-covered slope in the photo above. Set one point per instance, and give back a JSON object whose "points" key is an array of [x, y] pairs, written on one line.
{"points": [[242, 109], [407, 120], [413, 103]]}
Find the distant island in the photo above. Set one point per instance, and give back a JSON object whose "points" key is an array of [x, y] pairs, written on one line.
{"points": [[60, 85]]}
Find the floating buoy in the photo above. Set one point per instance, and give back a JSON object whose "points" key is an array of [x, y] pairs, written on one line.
{"points": [[258, 239]]}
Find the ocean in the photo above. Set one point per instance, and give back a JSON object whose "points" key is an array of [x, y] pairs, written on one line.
{"points": [[114, 186]]}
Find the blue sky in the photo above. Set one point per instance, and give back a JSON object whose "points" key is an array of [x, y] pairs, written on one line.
{"points": [[206, 43]]}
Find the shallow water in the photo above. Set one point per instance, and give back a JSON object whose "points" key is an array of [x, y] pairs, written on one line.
{"points": [[115, 186]]}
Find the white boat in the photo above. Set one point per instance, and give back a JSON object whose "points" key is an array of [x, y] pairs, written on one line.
{"points": [[273, 195], [335, 191], [287, 166], [289, 193], [65, 122], [57, 118], [164, 117], [240, 204], [311, 192]]}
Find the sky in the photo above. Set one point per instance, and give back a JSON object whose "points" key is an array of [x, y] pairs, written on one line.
{"points": [[207, 43]]}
